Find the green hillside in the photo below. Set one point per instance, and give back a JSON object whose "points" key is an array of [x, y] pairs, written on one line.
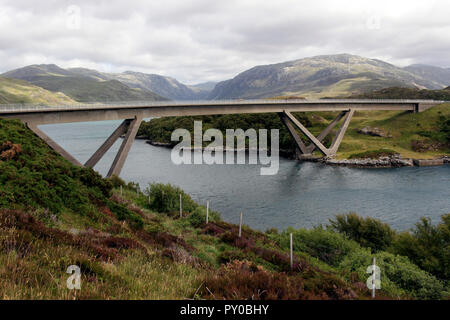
{"points": [[406, 93], [19, 91], [79, 87], [130, 245]]}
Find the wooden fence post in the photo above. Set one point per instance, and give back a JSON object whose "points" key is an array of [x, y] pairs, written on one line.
{"points": [[240, 226], [291, 251], [181, 208]]}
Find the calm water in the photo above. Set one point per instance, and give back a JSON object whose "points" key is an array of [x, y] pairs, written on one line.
{"points": [[300, 195]]}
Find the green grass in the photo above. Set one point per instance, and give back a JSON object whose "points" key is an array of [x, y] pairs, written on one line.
{"points": [[53, 214], [18, 91], [373, 154]]}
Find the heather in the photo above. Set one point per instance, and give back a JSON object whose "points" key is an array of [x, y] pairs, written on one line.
{"points": [[132, 243]]}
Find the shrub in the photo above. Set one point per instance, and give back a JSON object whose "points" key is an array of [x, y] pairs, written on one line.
{"points": [[245, 280], [166, 198], [399, 276], [198, 217], [330, 247], [368, 232], [427, 246], [123, 213], [231, 255]]}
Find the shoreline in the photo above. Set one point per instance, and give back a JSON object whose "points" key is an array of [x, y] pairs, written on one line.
{"points": [[395, 161]]}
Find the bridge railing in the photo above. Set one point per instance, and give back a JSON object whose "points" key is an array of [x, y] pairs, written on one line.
{"points": [[5, 108]]}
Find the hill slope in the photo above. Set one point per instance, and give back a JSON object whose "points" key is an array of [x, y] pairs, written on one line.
{"points": [[437, 74], [54, 215], [320, 76], [406, 93], [78, 86], [19, 91]]}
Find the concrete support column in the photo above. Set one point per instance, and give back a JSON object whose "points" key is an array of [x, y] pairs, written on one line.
{"points": [[340, 134], [300, 145], [326, 131], [318, 142], [33, 127], [108, 143], [306, 132], [122, 154]]}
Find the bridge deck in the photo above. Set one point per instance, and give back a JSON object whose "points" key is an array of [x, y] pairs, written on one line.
{"points": [[40, 114]]}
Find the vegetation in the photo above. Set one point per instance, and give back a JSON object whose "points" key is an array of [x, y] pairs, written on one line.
{"points": [[18, 91], [78, 86], [373, 154], [130, 243], [412, 135], [410, 93]]}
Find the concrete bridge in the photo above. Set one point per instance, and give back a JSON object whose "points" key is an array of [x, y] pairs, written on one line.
{"points": [[132, 114]]}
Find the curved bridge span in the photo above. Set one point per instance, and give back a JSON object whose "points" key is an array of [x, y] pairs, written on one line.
{"points": [[132, 114]]}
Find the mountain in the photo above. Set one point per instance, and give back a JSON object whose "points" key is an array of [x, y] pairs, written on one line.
{"points": [[207, 86], [437, 74], [203, 89], [19, 91], [167, 87], [320, 76], [164, 86], [76, 84]]}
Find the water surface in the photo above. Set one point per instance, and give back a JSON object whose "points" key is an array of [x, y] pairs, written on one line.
{"points": [[300, 195]]}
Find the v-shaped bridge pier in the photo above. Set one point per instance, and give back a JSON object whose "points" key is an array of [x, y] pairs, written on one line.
{"points": [[129, 128], [317, 142]]}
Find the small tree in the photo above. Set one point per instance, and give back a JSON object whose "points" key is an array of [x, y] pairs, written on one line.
{"points": [[368, 232]]}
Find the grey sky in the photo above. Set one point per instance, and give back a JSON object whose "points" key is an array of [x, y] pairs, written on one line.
{"points": [[204, 40]]}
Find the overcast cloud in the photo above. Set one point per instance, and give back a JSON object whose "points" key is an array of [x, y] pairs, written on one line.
{"points": [[205, 40]]}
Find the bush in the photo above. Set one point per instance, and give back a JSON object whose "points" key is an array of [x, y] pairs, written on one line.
{"points": [[198, 217], [399, 276], [166, 198], [427, 246], [368, 232], [123, 213], [330, 247]]}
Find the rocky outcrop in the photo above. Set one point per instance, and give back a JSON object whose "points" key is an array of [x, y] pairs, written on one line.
{"points": [[375, 132], [382, 162]]}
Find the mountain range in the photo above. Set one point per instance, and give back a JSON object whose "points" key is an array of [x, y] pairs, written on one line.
{"points": [[338, 75], [327, 76]]}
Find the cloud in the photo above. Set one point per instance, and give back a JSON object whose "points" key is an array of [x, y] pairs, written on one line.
{"points": [[206, 40]]}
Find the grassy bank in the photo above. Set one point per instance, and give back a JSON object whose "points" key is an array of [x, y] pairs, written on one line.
{"points": [[132, 243], [423, 135]]}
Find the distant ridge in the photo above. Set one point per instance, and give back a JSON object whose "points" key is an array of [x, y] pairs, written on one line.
{"points": [[336, 76], [79, 86], [321, 76]]}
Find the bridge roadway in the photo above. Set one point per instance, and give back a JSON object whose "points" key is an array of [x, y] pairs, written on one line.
{"points": [[132, 114], [40, 114]]}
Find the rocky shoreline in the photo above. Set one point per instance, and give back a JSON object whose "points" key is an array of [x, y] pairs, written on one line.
{"points": [[395, 161]]}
